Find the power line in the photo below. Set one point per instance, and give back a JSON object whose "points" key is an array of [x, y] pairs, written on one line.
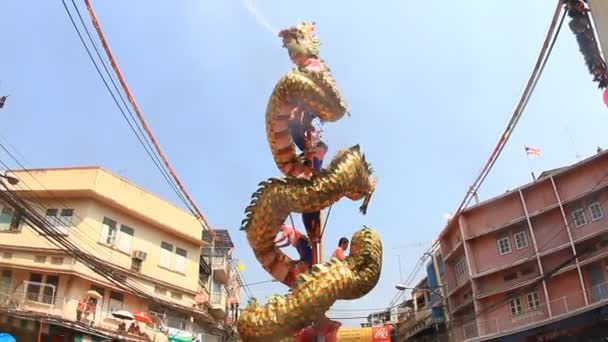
{"points": [[541, 61], [142, 140], [47, 231], [141, 118]]}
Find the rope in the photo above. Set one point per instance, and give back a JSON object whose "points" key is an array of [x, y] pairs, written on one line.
{"points": [[326, 219]]}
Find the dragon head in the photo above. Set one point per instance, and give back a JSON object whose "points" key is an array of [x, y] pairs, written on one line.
{"points": [[353, 162], [300, 42]]}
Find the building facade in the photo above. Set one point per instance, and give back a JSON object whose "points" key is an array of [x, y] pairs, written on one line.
{"points": [[152, 244], [223, 278], [423, 317], [532, 257]]}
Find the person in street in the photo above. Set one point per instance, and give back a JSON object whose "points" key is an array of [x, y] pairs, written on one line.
{"points": [[342, 247], [298, 240]]}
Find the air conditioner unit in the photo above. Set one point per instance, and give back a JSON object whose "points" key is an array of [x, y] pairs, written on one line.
{"points": [[141, 255]]}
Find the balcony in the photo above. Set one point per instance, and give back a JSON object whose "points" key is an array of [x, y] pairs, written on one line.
{"points": [[220, 266], [218, 304], [418, 321], [39, 298], [562, 307]]}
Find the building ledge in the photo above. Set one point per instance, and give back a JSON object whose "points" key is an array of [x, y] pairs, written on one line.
{"points": [[507, 288], [452, 253], [460, 287], [540, 323], [542, 254], [537, 213]]}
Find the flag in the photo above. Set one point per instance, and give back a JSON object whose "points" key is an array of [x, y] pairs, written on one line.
{"points": [[2, 101], [532, 151]]}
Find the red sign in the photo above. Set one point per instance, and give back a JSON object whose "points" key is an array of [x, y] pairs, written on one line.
{"points": [[381, 334]]}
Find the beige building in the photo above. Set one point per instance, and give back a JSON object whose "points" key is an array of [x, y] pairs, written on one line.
{"points": [[152, 244]]}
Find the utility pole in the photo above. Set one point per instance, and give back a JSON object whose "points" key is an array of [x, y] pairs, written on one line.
{"points": [[444, 299]]}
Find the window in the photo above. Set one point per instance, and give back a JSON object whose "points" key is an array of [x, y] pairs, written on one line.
{"points": [[176, 295], [51, 218], [42, 292], [65, 220], [116, 300], [40, 259], [515, 305], [49, 293], [504, 245], [160, 290], [533, 300], [6, 218], [136, 265], [579, 218], [5, 281], [10, 220], [461, 268], [7, 255], [180, 259], [108, 231], [217, 287], [596, 211], [510, 276], [57, 260], [521, 239], [126, 238], [166, 249], [33, 288]]}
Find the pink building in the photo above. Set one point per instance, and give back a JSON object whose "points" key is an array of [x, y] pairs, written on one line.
{"points": [[504, 257]]}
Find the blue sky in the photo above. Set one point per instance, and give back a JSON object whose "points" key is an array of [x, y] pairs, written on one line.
{"points": [[431, 84]]}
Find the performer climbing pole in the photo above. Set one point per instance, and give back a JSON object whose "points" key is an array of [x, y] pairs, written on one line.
{"points": [[307, 92]]}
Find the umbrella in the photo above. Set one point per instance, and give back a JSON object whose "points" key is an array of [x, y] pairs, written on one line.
{"points": [[94, 294], [7, 337], [142, 317], [122, 314]]}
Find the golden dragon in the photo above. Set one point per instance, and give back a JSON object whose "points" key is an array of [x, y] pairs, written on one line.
{"points": [[309, 86]]}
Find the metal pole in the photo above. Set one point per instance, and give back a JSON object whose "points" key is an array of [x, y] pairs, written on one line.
{"points": [[40, 331]]}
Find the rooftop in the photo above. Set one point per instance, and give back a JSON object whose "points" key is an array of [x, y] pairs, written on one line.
{"points": [[104, 186], [552, 172]]}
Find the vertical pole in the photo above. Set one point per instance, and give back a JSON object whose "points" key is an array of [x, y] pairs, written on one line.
{"points": [[210, 281], [322, 218], [40, 325]]}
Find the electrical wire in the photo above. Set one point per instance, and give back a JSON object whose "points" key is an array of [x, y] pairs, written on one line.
{"points": [[546, 50], [60, 241], [141, 118], [142, 140], [47, 231]]}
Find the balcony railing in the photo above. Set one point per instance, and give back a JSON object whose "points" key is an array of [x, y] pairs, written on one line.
{"points": [[31, 297], [220, 263], [26, 300], [568, 304]]}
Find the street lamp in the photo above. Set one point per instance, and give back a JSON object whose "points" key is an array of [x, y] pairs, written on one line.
{"points": [[11, 180], [401, 287]]}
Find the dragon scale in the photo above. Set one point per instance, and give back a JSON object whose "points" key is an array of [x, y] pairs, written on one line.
{"points": [[348, 175]]}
